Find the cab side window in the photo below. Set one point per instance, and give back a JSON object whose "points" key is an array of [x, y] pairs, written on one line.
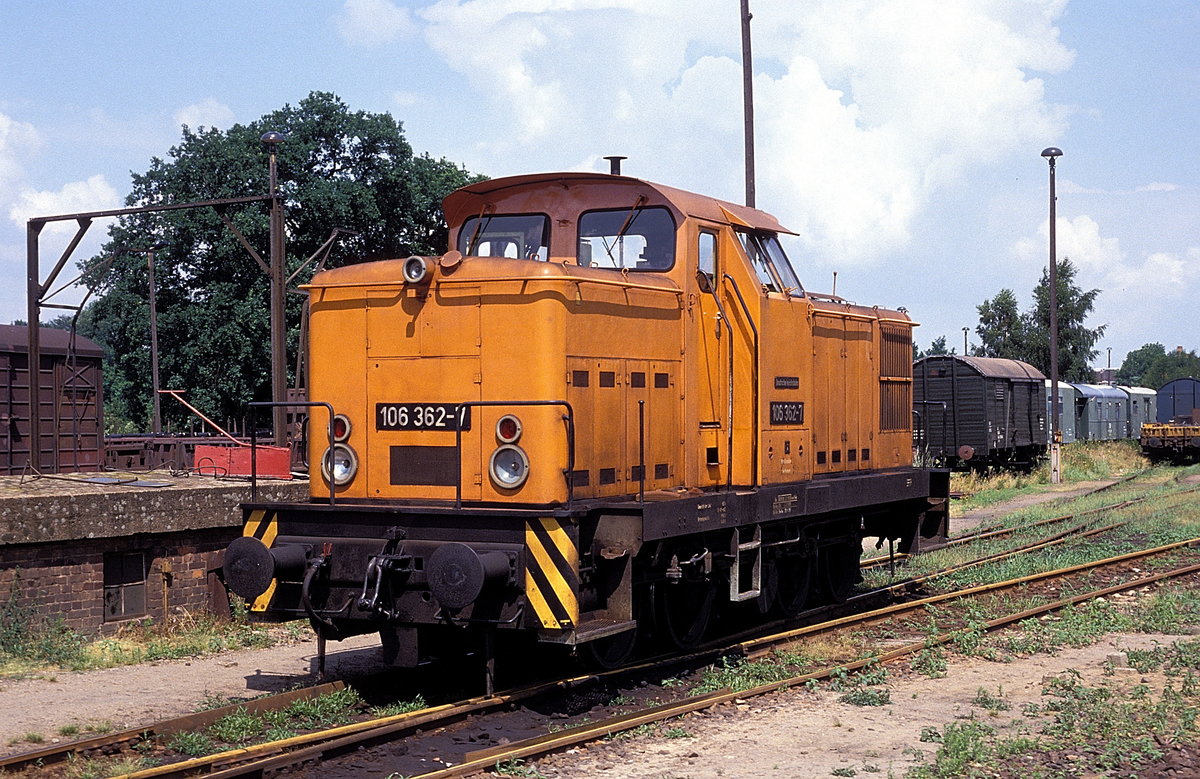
{"points": [[707, 255]]}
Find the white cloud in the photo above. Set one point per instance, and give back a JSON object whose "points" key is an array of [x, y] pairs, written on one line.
{"points": [[373, 22], [17, 140], [1156, 282], [92, 194], [1069, 187], [207, 113], [866, 110]]}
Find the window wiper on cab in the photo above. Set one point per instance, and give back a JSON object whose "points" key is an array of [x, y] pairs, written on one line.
{"points": [[632, 215], [480, 224]]}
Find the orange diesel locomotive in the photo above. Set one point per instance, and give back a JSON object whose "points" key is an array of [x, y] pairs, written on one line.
{"points": [[609, 410]]}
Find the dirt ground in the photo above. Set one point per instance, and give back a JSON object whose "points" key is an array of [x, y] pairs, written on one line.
{"points": [[119, 698], [805, 733], [794, 734]]}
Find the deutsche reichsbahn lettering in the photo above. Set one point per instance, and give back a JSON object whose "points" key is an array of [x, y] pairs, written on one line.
{"points": [[421, 416], [787, 413], [787, 382]]}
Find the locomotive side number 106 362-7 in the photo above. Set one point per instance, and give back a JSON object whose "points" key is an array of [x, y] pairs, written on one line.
{"points": [[422, 416]]}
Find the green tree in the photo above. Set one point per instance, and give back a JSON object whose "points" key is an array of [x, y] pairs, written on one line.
{"points": [[937, 348], [1001, 327], [1076, 341], [337, 168], [1138, 362], [1169, 366]]}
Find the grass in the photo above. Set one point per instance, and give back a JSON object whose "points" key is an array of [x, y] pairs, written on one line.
{"points": [[31, 644], [101, 767], [1107, 730], [399, 707], [242, 727], [1163, 517], [740, 674], [191, 744], [1081, 461]]}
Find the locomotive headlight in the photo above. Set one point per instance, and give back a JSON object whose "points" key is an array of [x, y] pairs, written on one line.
{"points": [[508, 429], [339, 464], [509, 467], [341, 427], [415, 269]]}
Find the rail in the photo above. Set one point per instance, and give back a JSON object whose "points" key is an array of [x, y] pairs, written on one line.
{"points": [[754, 383], [254, 442], [622, 283]]}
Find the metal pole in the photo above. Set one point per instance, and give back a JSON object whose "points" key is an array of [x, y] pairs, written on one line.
{"points": [[278, 317], [748, 100], [154, 340], [34, 312], [965, 341], [1052, 154]]}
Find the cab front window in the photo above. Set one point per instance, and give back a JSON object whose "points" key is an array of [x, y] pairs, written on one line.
{"points": [[517, 236], [771, 264], [635, 239]]}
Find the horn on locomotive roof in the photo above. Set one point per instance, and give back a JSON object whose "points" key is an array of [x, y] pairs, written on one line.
{"points": [[614, 164]]}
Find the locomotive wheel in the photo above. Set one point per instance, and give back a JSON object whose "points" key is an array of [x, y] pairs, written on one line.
{"points": [[684, 610], [770, 587], [839, 570], [612, 651], [793, 583]]}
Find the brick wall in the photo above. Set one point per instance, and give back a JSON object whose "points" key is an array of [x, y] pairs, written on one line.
{"points": [[54, 544], [65, 580]]}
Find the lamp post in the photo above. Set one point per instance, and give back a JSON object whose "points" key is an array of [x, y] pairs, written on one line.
{"points": [[748, 101], [1052, 154], [278, 322]]}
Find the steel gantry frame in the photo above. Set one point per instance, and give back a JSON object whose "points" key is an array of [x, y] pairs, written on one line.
{"points": [[37, 289]]}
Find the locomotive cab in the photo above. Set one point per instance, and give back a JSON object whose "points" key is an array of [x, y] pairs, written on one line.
{"points": [[610, 409]]}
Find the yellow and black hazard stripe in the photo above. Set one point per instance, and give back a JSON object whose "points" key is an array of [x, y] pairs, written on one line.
{"points": [[264, 526], [552, 573]]}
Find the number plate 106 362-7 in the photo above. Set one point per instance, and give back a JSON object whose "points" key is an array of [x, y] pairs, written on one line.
{"points": [[787, 413], [422, 416]]}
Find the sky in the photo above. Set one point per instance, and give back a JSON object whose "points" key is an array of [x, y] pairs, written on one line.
{"points": [[900, 140]]}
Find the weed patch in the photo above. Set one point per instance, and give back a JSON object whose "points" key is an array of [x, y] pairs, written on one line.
{"points": [[739, 674], [191, 744], [401, 707]]}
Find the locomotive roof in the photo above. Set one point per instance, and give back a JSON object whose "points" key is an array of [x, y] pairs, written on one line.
{"points": [[51, 340], [992, 367], [467, 201]]}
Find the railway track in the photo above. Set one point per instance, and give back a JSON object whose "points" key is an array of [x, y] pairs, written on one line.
{"points": [[327, 745], [1004, 531], [484, 759]]}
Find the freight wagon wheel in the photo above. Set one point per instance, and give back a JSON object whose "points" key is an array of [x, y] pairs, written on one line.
{"points": [[839, 570], [684, 611], [793, 583]]}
